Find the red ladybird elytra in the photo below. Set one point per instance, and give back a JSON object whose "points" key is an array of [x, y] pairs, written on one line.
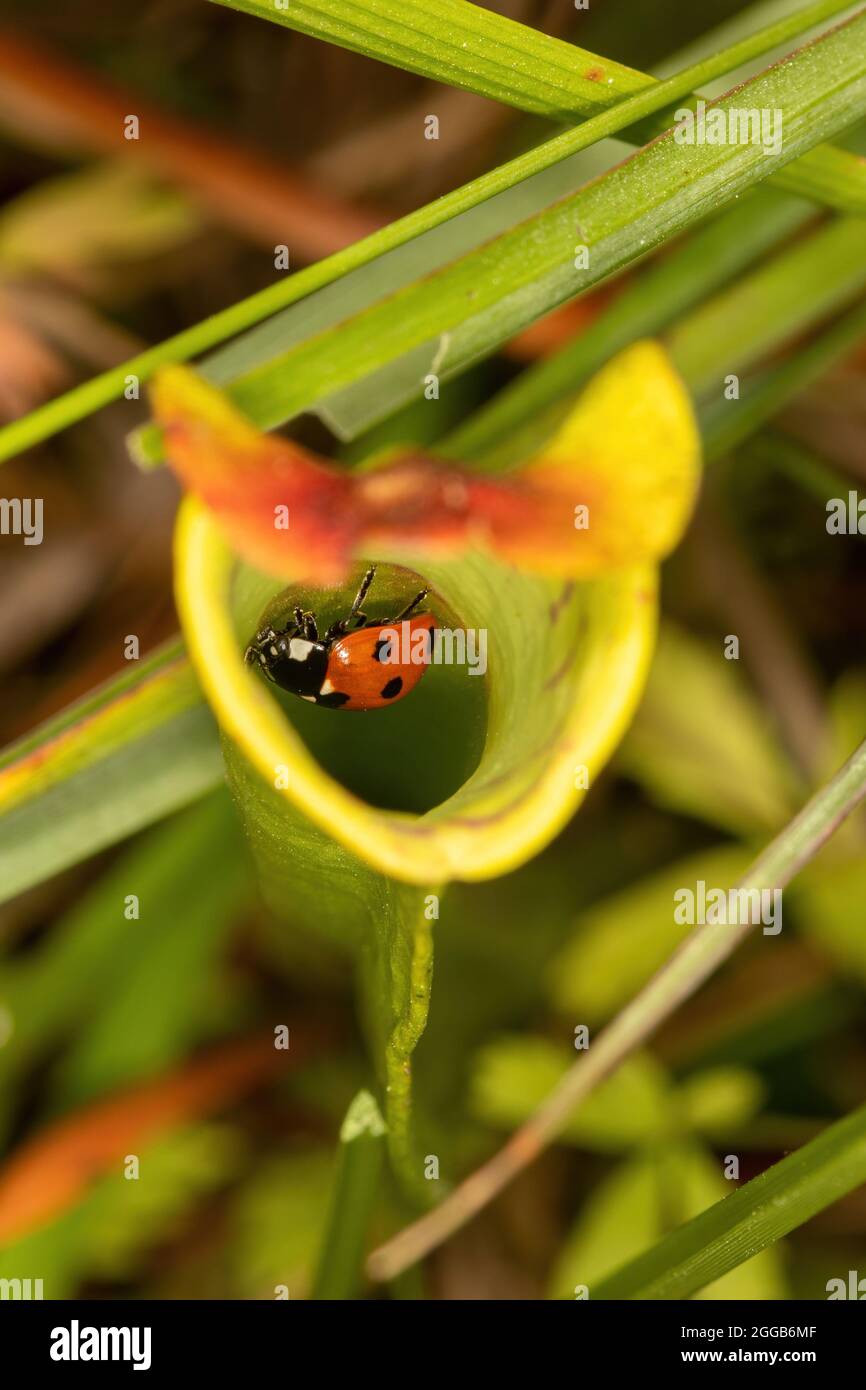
{"points": [[359, 664]]}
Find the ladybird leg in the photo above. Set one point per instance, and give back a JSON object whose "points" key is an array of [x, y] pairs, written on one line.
{"points": [[305, 624], [410, 607], [262, 637], [342, 626]]}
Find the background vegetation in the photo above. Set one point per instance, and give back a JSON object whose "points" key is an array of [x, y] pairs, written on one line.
{"points": [[265, 1170]]}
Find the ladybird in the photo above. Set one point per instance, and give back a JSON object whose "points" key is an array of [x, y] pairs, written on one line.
{"points": [[350, 667]]}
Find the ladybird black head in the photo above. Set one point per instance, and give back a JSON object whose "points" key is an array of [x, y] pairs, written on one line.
{"points": [[291, 661]]}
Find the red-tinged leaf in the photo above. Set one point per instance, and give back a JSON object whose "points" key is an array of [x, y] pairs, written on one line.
{"points": [[613, 488], [53, 1170]]}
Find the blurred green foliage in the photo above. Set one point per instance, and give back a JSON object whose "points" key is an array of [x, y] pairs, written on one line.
{"points": [[96, 1000]]}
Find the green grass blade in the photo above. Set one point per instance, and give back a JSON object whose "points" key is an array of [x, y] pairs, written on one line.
{"points": [[765, 395], [466, 46], [749, 1220], [727, 333], [465, 311], [829, 271], [90, 396], [357, 1187], [140, 747], [661, 295]]}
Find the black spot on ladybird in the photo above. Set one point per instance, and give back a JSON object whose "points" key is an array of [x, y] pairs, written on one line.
{"points": [[333, 700], [393, 688]]}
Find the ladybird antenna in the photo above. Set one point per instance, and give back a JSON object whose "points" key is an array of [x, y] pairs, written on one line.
{"points": [[363, 591], [410, 607]]}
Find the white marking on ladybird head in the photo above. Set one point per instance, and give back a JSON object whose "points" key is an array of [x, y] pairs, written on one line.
{"points": [[326, 688], [299, 650], [311, 698], [273, 650]]}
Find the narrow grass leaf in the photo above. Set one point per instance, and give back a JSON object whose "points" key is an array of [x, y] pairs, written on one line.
{"points": [[141, 746], [466, 46], [463, 312], [749, 1220], [834, 176], [357, 1188]]}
